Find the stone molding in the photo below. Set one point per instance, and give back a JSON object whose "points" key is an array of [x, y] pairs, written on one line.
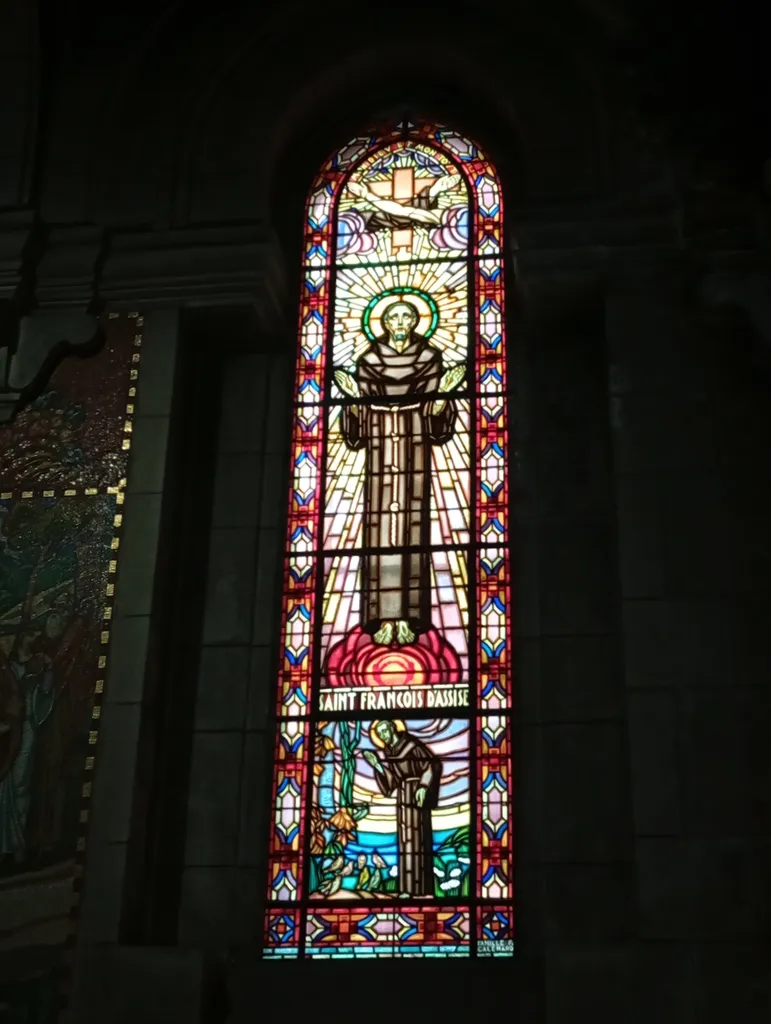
{"points": [[89, 266], [58, 276], [16, 234], [195, 266], [55, 280]]}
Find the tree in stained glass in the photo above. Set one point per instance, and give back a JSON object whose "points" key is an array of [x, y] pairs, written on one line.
{"points": [[391, 823]]}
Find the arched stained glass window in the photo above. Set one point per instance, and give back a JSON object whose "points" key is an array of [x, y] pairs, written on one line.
{"points": [[391, 831]]}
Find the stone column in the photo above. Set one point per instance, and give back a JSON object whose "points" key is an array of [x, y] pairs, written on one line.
{"points": [[223, 875], [691, 430], [575, 878], [111, 981]]}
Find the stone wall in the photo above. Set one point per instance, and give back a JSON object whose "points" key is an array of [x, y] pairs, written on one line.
{"points": [[690, 415], [642, 590], [226, 838], [172, 181]]}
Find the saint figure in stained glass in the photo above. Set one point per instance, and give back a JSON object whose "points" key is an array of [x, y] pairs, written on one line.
{"points": [[399, 370], [391, 831], [408, 770]]}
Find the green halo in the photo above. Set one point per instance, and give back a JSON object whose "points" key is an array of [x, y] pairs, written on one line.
{"points": [[400, 292]]}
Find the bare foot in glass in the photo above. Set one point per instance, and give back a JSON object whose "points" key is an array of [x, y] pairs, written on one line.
{"points": [[385, 634], [404, 634]]}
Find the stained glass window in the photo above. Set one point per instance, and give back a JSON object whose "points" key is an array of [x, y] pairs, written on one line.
{"points": [[391, 831]]}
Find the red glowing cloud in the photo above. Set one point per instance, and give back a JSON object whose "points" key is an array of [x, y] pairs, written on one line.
{"points": [[357, 660]]}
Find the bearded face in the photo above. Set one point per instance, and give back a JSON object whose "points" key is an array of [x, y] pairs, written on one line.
{"points": [[400, 320]]}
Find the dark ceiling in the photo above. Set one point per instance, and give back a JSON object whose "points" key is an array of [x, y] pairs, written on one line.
{"points": [[698, 73]]}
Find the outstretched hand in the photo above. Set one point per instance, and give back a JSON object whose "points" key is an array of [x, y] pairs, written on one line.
{"points": [[347, 384], [452, 378], [444, 184], [359, 189], [375, 761]]}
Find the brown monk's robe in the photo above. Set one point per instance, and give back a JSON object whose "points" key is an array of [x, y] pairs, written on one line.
{"points": [[407, 766], [397, 487]]}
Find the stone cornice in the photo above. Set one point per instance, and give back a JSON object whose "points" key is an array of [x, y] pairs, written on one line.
{"points": [[78, 270], [195, 266], [84, 265], [16, 232], [55, 278], [584, 228], [66, 274], [624, 261], [87, 266]]}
